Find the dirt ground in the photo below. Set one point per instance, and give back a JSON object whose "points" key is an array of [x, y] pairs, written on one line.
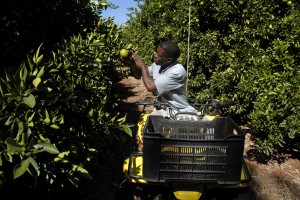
{"points": [[270, 181]]}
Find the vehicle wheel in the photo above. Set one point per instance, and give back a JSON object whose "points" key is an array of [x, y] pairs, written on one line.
{"points": [[136, 198], [149, 197], [230, 194], [244, 194], [125, 192], [130, 191]]}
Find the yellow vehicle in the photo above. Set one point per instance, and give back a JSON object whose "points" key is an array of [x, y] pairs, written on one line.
{"points": [[188, 156]]}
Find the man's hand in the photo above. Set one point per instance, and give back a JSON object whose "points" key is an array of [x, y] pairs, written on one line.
{"points": [[139, 62], [143, 68]]}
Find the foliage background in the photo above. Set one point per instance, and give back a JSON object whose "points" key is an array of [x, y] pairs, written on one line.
{"points": [[246, 51], [59, 112]]}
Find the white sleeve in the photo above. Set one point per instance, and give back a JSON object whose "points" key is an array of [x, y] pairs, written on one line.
{"points": [[170, 81], [150, 69]]}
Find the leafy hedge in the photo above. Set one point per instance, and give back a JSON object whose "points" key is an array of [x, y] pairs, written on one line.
{"points": [[26, 24], [247, 51], [58, 116]]}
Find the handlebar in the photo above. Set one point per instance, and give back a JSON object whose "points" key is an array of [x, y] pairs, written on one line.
{"points": [[145, 102], [224, 104], [208, 106], [158, 105]]}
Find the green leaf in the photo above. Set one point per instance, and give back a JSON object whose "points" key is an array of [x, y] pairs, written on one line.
{"points": [[41, 72], [39, 59], [20, 125], [46, 140], [54, 126], [74, 180], [46, 113], [36, 81], [48, 147], [64, 154], [34, 164], [9, 95], [29, 101], [91, 112], [30, 63], [82, 172], [122, 120], [53, 70], [31, 117], [12, 146], [23, 73], [36, 58], [60, 160], [127, 130], [21, 168], [98, 44], [272, 93], [1, 91], [8, 157], [33, 169], [129, 46]]}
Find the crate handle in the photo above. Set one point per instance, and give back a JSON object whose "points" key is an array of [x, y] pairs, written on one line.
{"points": [[133, 154]]}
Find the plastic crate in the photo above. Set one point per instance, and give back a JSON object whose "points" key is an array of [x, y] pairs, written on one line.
{"points": [[186, 151]]}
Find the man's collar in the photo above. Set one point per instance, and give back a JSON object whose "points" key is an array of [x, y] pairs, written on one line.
{"points": [[164, 68]]}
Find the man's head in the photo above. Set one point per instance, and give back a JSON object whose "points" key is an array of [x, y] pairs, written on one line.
{"points": [[167, 52], [171, 49]]}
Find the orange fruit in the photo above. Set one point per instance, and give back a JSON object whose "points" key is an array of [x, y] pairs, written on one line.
{"points": [[124, 53]]}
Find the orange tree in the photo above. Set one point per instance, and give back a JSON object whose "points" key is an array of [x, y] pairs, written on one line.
{"points": [[27, 24], [59, 116], [247, 51]]}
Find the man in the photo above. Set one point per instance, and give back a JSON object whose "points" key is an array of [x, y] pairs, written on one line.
{"points": [[166, 76]]}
